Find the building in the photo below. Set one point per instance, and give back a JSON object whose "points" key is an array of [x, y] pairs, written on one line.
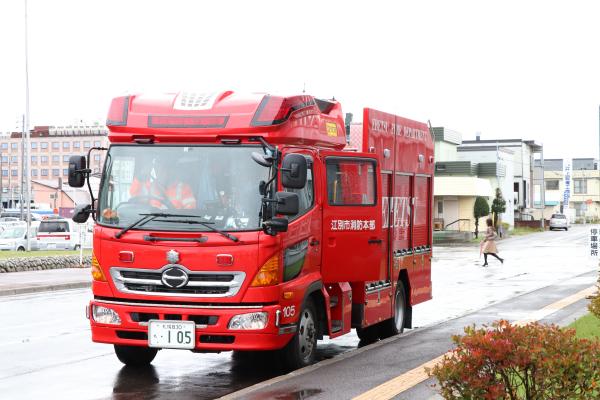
{"points": [[584, 202], [528, 178], [461, 177], [51, 147]]}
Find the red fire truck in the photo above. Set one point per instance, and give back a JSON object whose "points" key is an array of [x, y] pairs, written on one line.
{"points": [[248, 223]]}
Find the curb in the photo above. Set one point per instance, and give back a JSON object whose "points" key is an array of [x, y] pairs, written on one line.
{"points": [[48, 288]]}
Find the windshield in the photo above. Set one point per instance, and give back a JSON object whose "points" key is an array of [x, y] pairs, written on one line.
{"points": [[216, 184], [12, 233]]}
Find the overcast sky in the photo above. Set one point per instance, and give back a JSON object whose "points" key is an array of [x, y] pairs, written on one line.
{"points": [[510, 69]]}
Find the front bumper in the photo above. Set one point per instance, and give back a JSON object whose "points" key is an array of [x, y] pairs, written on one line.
{"points": [[212, 333]]}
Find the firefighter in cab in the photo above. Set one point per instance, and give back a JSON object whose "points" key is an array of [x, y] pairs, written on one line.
{"points": [[161, 186]]}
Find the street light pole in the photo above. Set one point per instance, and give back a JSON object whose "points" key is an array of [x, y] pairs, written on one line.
{"points": [[27, 135]]}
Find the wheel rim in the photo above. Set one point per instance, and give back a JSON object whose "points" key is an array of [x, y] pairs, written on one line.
{"points": [[306, 335], [399, 315]]}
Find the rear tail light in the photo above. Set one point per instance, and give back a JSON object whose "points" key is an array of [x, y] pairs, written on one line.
{"points": [[274, 110], [117, 114], [67, 237], [187, 121]]}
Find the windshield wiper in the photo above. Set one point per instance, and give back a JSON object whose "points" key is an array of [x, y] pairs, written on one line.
{"points": [[206, 224], [151, 216], [145, 219]]}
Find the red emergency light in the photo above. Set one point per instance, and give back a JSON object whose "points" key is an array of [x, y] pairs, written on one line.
{"points": [[187, 121], [117, 114], [274, 110]]}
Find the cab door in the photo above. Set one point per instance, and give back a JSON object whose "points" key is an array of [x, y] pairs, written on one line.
{"points": [[354, 243]]}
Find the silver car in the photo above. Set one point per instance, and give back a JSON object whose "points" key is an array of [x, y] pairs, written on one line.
{"points": [[559, 221], [15, 238]]}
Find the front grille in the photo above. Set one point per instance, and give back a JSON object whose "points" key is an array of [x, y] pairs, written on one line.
{"points": [[225, 339], [198, 319], [132, 335], [200, 284], [206, 290]]}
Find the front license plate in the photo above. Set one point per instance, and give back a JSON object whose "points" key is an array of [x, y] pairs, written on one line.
{"points": [[171, 334]]}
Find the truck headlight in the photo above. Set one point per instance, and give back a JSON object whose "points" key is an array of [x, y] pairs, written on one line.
{"points": [[105, 315], [256, 320]]}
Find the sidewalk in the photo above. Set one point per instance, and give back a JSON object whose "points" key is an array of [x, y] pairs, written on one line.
{"points": [[12, 283]]}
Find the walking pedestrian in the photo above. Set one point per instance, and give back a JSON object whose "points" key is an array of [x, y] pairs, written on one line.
{"points": [[489, 243]]}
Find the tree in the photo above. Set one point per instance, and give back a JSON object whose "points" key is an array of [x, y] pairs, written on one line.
{"points": [[498, 206], [481, 209]]}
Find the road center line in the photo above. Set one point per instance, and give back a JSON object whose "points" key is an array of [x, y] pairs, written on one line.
{"points": [[411, 378]]}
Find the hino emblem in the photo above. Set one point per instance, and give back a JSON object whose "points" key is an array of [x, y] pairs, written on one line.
{"points": [[174, 277], [172, 257]]}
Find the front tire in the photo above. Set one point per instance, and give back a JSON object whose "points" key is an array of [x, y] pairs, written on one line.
{"points": [[21, 248], [135, 356], [395, 325], [302, 349], [77, 247]]}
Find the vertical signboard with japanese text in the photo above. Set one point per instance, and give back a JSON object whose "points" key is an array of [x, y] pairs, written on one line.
{"points": [[566, 183], [593, 247]]}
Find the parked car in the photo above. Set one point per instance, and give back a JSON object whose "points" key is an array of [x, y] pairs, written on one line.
{"points": [[15, 238], [55, 234], [559, 221]]}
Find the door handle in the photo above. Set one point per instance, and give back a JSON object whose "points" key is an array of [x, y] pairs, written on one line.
{"points": [[375, 241], [313, 242]]}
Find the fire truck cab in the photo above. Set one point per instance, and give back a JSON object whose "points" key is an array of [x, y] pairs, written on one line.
{"points": [[255, 222]]}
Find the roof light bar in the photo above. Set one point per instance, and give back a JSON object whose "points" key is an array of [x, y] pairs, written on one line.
{"points": [[187, 121], [117, 113], [274, 110]]}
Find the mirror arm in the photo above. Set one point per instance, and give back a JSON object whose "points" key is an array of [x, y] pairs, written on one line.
{"points": [[87, 173]]}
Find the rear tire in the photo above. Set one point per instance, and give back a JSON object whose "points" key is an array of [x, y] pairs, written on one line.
{"points": [[77, 247], [135, 356], [21, 248], [368, 335], [302, 349], [395, 325]]}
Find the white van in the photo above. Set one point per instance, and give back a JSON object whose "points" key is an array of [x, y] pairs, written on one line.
{"points": [[15, 238], [53, 234]]}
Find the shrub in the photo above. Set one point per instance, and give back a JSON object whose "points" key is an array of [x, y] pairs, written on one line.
{"points": [[534, 361], [594, 306]]}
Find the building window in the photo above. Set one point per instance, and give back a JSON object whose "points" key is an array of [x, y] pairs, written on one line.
{"points": [[34, 159], [4, 159], [55, 172], [14, 145], [4, 172], [76, 145], [66, 158], [4, 146], [56, 145], [33, 145], [97, 143], [44, 172], [66, 145], [44, 159], [97, 157], [34, 172], [55, 159], [66, 172], [86, 144], [44, 145], [13, 159], [14, 172], [552, 184], [580, 186]]}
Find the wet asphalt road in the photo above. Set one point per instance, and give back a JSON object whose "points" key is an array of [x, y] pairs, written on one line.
{"points": [[46, 352]]}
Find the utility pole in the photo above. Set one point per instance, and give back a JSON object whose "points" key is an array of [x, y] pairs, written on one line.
{"points": [[27, 137], [22, 167]]}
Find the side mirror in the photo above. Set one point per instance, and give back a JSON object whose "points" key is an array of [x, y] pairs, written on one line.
{"points": [[293, 171], [76, 176], [287, 203], [82, 213], [274, 225]]}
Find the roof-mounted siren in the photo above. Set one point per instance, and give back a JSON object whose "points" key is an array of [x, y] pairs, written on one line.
{"points": [[117, 113], [275, 110]]}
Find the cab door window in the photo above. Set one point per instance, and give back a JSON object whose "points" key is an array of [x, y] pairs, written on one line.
{"points": [[306, 195], [351, 182]]}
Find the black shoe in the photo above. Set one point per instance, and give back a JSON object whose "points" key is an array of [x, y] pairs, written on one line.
{"points": [[502, 261], [485, 265]]}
